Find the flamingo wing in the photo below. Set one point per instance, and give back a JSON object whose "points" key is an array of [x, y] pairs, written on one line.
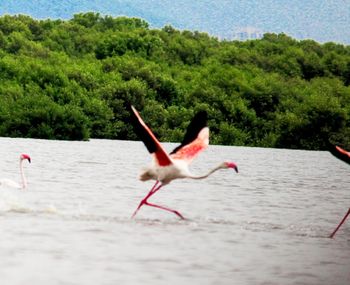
{"points": [[195, 140], [149, 139], [340, 153]]}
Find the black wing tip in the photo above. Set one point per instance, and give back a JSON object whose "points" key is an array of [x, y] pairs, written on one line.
{"points": [[140, 130], [201, 116], [198, 122], [335, 151]]}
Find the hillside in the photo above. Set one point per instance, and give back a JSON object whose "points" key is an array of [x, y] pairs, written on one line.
{"points": [[320, 20]]}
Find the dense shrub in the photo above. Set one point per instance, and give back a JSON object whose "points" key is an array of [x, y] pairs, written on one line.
{"points": [[74, 80]]}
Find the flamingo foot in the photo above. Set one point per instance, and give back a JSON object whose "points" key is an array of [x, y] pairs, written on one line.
{"points": [[342, 221], [144, 200], [138, 208], [166, 209]]}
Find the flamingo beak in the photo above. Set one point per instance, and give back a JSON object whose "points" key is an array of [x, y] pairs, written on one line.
{"points": [[26, 156], [232, 165]]}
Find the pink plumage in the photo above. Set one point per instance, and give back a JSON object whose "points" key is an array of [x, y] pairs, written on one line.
{"points": [[13, 184], [167, 167]]}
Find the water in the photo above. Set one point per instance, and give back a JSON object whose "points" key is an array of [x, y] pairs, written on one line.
{"points": [[266, 225]]}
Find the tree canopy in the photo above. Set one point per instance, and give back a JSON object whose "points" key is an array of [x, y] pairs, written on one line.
{"points": [[74, 79]]}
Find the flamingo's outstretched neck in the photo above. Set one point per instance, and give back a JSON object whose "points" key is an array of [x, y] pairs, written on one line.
{"points": [[341, 222], [23, 183], [23, 178], [222, 165]]}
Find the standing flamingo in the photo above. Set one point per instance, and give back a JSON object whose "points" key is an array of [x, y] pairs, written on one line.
{"points": [[13, 184], [344, 156], [167, 167]]}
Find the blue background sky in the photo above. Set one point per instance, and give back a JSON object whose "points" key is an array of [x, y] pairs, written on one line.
{"points": [[320, 20]]}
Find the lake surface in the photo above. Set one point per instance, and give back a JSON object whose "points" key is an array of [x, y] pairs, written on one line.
{"points": [[268, 224]]}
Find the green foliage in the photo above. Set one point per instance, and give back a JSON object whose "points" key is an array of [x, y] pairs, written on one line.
{"points": [[39, 117], [74, 80]]}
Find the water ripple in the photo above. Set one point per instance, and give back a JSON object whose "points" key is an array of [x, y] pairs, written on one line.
{"points": [[269, 224]]}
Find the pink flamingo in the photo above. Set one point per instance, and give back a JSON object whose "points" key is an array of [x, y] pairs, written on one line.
{"points": [[13, 184], [344, 156], [167, 167]]}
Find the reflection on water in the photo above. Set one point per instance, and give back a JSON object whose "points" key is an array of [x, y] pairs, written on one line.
{"points": [[266, 225]]}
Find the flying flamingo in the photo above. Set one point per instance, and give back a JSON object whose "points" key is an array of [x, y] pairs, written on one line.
{"points": [[13, 184], [167, 167], [344, 156]]}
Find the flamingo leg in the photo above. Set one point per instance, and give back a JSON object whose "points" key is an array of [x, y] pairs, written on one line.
{"points": [[153, 190], [165, 208], [342, 221]]}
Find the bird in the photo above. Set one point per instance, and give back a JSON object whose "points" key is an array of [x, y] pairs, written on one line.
{"points": [[340, 153], [343, 155], [175, 165], [12, 184]]}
